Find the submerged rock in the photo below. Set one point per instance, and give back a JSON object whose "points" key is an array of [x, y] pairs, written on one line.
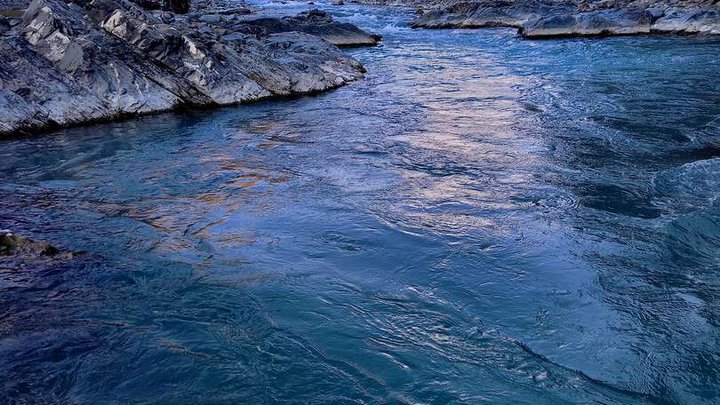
{"points": [[18, 252], [88, 60], [18, 246]]}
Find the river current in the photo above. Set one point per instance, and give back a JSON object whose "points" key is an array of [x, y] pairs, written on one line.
{"points": [[482, 219]]}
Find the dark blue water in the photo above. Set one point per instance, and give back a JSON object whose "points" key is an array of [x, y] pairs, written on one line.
{"points": [[482, 219]]}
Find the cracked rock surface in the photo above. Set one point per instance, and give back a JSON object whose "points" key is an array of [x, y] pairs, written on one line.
{"points": [[74, 62]]}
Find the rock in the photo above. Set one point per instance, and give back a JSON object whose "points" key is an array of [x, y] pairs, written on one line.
{"points": [[656, 12], [9, 7], [688, 21], [167, 18], [175, 6], [485, 13], [337, 2], [211, 18], [234, 11], [4, 25], [91, 60], [14, 245], [593, 23], [18, 252], [314, 22], [561, 18]]}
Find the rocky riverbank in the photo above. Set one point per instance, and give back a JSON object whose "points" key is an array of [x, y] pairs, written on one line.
{"points": [[67, 63], [563, 18]]}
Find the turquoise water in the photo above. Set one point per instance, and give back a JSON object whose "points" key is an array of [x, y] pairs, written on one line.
{"points": [[482, 219]]}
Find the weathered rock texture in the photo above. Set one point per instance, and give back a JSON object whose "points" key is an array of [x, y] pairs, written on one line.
{"points": [[626, 18], [559, 18], [489, 13], [70, 63], [316, 23]]}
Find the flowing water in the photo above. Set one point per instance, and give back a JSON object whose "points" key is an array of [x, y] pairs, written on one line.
{"points": [[482, 219]]}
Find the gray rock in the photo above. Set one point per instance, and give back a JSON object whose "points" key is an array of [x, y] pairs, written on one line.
{"points": [[4, 25], [485, 13], [656, 12], [688, 21], [211, 18], [15, 245], [70, 63], [234, 11], [6, 6], [558, 18], [314, 22], [18, 252], [593, 23]]}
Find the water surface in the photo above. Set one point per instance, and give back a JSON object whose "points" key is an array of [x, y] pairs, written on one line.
{"points": [[482, 219]]}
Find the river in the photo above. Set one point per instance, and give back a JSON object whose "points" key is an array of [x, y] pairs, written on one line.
{"points": [[481, 219]]}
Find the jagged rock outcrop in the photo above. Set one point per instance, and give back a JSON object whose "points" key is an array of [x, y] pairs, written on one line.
{"points": [[69, 63], [561, 18]]}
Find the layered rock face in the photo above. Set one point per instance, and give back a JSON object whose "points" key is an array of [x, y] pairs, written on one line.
{"points": [[558, 18], [627, 18], [69, 63], [316, 23]]}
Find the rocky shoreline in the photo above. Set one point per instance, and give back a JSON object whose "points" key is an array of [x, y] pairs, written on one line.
{"points": [[570, 18], [70, 63]]}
